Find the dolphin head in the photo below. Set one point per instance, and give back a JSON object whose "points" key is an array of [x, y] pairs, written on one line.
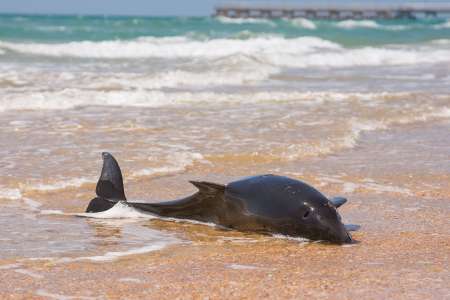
{"points": [[321, 221]]}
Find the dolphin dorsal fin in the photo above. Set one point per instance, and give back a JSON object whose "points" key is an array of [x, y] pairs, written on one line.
{"points": [[208, 187], [338, 201], [110, 184]]}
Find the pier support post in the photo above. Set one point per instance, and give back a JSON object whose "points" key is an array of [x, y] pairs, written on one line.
{"points": [[310, 14]]}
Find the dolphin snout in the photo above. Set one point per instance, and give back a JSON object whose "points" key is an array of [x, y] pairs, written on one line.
{"points": [[343, 236]]}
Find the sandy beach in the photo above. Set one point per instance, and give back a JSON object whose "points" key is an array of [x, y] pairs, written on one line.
{"points": [[401, 249]]}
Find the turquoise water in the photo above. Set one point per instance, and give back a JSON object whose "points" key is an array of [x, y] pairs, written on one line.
{"points": [[52, 61], [53, 28]]}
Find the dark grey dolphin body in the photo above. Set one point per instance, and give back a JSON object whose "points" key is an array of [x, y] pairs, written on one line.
{"points": [[265, 203]]}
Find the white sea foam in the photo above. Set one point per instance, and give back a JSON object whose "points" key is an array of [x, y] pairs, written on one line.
{"points": [[442, 26], [177, 162], [226, 20], [270, 53], [109, 256], [367, 56], [61, 185], [51, 212], [10, 266], [368, 184], [130, 279], [29, 273], [124, 211], [8, 193], [32, 204], [292, 238], [48, 295], [303, 23], [350, 24], [70, 98], [242, 267], [175, 47], [225, 71], [441, 42], [359, 126], [119, 211], [51, 28], [178, 78]]}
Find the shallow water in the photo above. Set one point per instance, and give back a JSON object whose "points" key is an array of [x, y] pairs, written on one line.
{"points": [[356, 108]]}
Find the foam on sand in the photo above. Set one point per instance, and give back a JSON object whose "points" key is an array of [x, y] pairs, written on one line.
{"points": [[11, 194]]}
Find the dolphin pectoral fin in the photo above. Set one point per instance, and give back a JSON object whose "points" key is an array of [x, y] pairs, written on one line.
{"points": [[338, 201], [352, 227], [110, 183], [208, 187]]}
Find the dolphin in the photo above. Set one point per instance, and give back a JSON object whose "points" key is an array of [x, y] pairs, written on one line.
{"points": [[264, 203]]}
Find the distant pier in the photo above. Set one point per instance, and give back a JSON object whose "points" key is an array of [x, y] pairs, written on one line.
{"points": [[331, 11]]}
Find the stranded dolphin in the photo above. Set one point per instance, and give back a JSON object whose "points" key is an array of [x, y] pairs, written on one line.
{"points": [[265, 203]]}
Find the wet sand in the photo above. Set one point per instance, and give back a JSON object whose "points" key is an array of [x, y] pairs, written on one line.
{"points": [[398, 185]]}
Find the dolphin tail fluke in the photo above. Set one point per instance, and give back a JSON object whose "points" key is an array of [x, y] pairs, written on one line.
{"points": [[99, 204], [109, 188], [110, 184]]}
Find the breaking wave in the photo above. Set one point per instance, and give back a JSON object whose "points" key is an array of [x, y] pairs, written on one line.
{"points": [[226, 20], [303, 23], [172, 47], [350, 24], [267, 51], [71, 98]]}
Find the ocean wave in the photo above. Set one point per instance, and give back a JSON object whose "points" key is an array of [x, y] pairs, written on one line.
{"points": [[178, 78], [175, 47], [442, 25], [354, 128], [51, 28], [303, 23], [370, 24], [350, 24], [368, 56], [71, 98], [177, 162], [226, 20], [267, 53], [61, 185], [229, 70], [441, 42]]}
